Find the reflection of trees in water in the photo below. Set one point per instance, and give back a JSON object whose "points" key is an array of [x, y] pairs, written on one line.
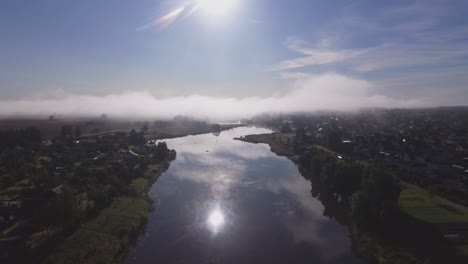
{"points": [[334, 205]]}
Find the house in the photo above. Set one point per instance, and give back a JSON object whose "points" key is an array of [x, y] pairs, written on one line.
{"points": [[10, 204], [3, 222], [420, 160], [100, 156], [133, 153], [454, 238], [58, 189], [124, 151], [384, 154], [47, 143]]}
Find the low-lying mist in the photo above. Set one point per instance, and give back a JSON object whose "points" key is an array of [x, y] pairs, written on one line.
{"points": [[324, 92]]}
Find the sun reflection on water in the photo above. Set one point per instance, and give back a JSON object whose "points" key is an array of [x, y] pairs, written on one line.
{"points": [[215, 220]]}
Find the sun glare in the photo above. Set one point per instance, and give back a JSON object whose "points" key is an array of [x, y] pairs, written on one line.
{"points": [[217, 7], [216, 219]]}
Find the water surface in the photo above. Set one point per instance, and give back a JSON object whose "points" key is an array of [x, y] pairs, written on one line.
{"points": [[228, 201]]}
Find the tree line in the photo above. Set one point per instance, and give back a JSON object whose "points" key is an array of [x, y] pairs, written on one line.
{"points": [[365, 197]]}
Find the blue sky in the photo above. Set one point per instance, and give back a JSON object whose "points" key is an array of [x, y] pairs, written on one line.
{"points": [[261, 48]]}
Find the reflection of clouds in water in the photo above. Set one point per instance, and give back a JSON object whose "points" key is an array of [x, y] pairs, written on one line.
{"points": [[303, 215], [216, 162], [233, 147], [219, 181], [221, 163], [222, 144]]}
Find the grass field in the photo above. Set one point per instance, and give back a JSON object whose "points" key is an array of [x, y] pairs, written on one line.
{"points": [[139, 185], [463, 249], [450, 220], [430, 209], [104, 239]]}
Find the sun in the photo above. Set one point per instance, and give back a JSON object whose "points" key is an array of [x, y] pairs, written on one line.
{"points": [[217, 7]]}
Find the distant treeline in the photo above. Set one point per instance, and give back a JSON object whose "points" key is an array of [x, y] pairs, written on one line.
{"points": [[20, 137]]}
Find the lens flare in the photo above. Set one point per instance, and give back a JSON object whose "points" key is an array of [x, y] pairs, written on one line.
{"points": [[214, 8], [163, 21]]}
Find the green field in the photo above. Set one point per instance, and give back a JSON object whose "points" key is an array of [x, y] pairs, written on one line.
{"points": [[463, 249], [430, 209], [139, 185], [104, 239]]}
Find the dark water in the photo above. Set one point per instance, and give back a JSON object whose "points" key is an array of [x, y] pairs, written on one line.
{"points": [[227, 201]]}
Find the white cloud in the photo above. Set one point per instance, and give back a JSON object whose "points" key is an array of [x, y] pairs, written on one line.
{"points": [[323, 92], [394, 37], [312, 56], [295, 75], [381, 57]]}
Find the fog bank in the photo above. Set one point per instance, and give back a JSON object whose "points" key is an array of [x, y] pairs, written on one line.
{"points": [[324, 92]]}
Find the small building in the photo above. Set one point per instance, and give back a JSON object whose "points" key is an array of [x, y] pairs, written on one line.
{"points": [[16, 204], [100, 156], [454, 238], [133, 153], [384, 154], [47, 143], [58, 189]]}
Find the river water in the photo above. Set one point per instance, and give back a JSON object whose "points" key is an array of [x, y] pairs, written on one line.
{"points": [[228, 201]]}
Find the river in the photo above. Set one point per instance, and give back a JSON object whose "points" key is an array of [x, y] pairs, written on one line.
{"points": [[228, 201]]}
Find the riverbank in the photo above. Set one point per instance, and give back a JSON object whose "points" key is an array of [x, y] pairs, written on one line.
{"points": [[280, 144], [410, 241], [107, 238], [176, 131]]}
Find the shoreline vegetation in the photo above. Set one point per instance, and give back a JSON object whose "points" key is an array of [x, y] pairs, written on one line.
{"points": [[388, 223], [107, 237]]}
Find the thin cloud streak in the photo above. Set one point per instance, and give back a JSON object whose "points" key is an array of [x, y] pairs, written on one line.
{"points": [[412, 35], [313, 56], [386, 56], [295, 75], [325, 92]]}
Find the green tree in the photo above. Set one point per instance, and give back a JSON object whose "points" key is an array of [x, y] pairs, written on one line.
{"points": [[161, 151], [379, 197], [135, 138], [78, 131], [286, 128], [66, 130], [360, 211], [145, 127]]}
